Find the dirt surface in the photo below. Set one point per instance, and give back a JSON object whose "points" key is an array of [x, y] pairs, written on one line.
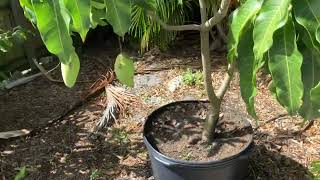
{"points": [[177, 133], [64, 150]]}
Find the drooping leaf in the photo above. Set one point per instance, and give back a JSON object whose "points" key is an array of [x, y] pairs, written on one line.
{"points": [[52, 23], [98, 13], [310, 77], [70, 70], [307, 14], [272, 16], [239, 20], [315, 97], [285, 63], [119, 15], [124, 69], [248, 68], [80, 14], [310, 42]]}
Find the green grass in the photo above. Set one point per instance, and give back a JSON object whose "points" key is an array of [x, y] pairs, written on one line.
{"points": [[315, 169], [193, 78]]}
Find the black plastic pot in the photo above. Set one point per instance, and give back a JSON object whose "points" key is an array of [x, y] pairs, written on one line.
{"points": [[166, 168]]}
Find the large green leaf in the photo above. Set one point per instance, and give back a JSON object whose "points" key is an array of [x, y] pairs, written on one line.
{"points": [[119, 15], [272, 16], [124, 69], [248, 68], [315, 99], [98, 13], [80, 14], [52, 23], [239, 20], [307, 14], [285, 63], [310, 77]]}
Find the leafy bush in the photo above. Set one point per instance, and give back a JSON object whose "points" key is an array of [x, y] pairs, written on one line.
{"points": [[284, 34], [8, 39], [191, 78]]}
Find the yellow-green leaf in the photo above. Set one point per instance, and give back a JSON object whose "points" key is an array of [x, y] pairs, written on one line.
{"points": [[70, 71], [124, 69]]}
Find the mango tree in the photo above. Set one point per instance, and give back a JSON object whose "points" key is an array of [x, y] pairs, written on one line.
{"points": [[280, 34]]}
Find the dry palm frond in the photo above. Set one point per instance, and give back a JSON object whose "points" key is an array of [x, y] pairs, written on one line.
{"points": [[102, 82], [117, 99]]}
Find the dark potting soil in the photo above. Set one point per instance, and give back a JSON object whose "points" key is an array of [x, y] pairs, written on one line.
{"points": [[177, 133]]}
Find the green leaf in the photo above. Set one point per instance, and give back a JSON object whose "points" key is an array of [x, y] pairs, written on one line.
{"points": [[307, 14], [98, 17], [5, 44], [124, 69], [80, 14], [21, 174], [273, 15], [119, 15], [98, 4], [248, 68], [285, 63], [70, 70], [315, 96], [310, 77], [239, 20], [28, 10], [52, 23]]}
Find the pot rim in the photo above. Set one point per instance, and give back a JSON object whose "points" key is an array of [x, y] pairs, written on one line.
{"points": [[184, 162]]}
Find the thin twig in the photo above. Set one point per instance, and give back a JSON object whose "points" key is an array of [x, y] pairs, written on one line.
{"points": [[271, 120], [305, 127], [45, 72], [219, 27]]}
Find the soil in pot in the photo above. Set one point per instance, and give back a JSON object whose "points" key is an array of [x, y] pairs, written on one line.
{"points": [[177, 133]]}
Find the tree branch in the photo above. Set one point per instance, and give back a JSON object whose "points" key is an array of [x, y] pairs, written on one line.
{"points": [[189, 27], [219, 27], [221, 13], [226, 81]]}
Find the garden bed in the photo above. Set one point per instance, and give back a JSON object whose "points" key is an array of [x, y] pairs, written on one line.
{"points": [[65, 150]]}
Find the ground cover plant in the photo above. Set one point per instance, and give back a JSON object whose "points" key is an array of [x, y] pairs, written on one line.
{"points": [[283, 35]]}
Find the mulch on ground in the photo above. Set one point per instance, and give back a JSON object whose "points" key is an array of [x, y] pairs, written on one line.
{"points": [[65, 149]]}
